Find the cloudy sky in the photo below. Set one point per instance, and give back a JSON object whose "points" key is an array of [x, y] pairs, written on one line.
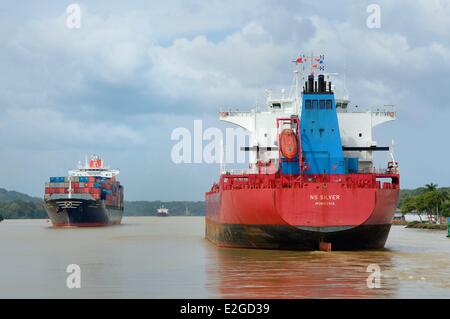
{"points": [[136, 70]]}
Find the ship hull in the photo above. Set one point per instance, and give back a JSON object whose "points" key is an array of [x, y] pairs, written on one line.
{"points": [[82, 213], [293, 238], [299, 219]]}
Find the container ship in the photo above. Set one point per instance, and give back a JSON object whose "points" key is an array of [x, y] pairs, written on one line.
{"points": [[162, 212], [89, 196], [311, 184]]}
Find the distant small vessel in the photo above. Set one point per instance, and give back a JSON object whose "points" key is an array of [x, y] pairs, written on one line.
{"points": [[89, 196], [162, 212], [398, 218]]}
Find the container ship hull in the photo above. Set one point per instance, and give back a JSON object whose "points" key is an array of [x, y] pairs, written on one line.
{"points": [[162, 215], [89, 196], [80, 212], [300, 218]]}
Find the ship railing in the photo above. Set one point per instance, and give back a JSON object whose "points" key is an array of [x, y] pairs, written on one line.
{"points": [[239, 171], [378, 112], [254, 170], [385, 113], [257, 181], [236, 112], [374, 170]]}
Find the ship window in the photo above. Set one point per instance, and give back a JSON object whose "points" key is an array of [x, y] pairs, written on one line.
{"points": [[308, 104], [276, 105], [314, 104], [322, 104], [329, 105]]}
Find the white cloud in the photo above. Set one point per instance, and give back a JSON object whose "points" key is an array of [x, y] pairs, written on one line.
{"points": [[45, 129], [104, 85]]}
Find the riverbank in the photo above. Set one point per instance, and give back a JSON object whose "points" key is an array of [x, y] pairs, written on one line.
{"points": [[420, 225]]}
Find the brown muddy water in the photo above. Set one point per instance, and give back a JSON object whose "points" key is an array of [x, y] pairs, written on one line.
{"points": [[151, 257]]}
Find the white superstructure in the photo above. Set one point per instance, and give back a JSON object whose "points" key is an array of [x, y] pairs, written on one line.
{"points": [[94, 167], [162, 211], [355, 126]]}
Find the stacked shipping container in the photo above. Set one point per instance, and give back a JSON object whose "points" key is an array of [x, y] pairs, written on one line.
{"points": [[101, 188]]}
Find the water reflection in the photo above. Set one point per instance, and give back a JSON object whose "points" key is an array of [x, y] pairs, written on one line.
{"points": [[243, 273], [150, 257]]}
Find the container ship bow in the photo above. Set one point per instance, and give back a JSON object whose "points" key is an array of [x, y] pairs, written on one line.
{"points": [[312, 184], [89, 196]]}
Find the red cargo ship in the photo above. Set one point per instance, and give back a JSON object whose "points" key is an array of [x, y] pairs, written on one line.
{"points": [[89, 196], [312, 195]]}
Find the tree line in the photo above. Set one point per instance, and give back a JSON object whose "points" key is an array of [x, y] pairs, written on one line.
{"points": [[15, 205], [429, 200], [18, 209]]}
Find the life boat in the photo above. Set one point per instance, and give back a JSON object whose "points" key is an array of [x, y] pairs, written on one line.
{"points": [[288, 144]]}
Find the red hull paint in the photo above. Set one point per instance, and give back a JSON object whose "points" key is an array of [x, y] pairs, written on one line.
{"points": [[296, 208], [317, 208]]}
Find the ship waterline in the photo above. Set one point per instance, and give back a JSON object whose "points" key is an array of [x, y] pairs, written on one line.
{"points": [[82, 213]]}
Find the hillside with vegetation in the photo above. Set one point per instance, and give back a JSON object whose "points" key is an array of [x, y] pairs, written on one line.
{"points": [[430, 201], [16, 205]]}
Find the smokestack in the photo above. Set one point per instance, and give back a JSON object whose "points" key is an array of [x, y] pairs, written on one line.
{"points": [[321, 84], [310, 83]]}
